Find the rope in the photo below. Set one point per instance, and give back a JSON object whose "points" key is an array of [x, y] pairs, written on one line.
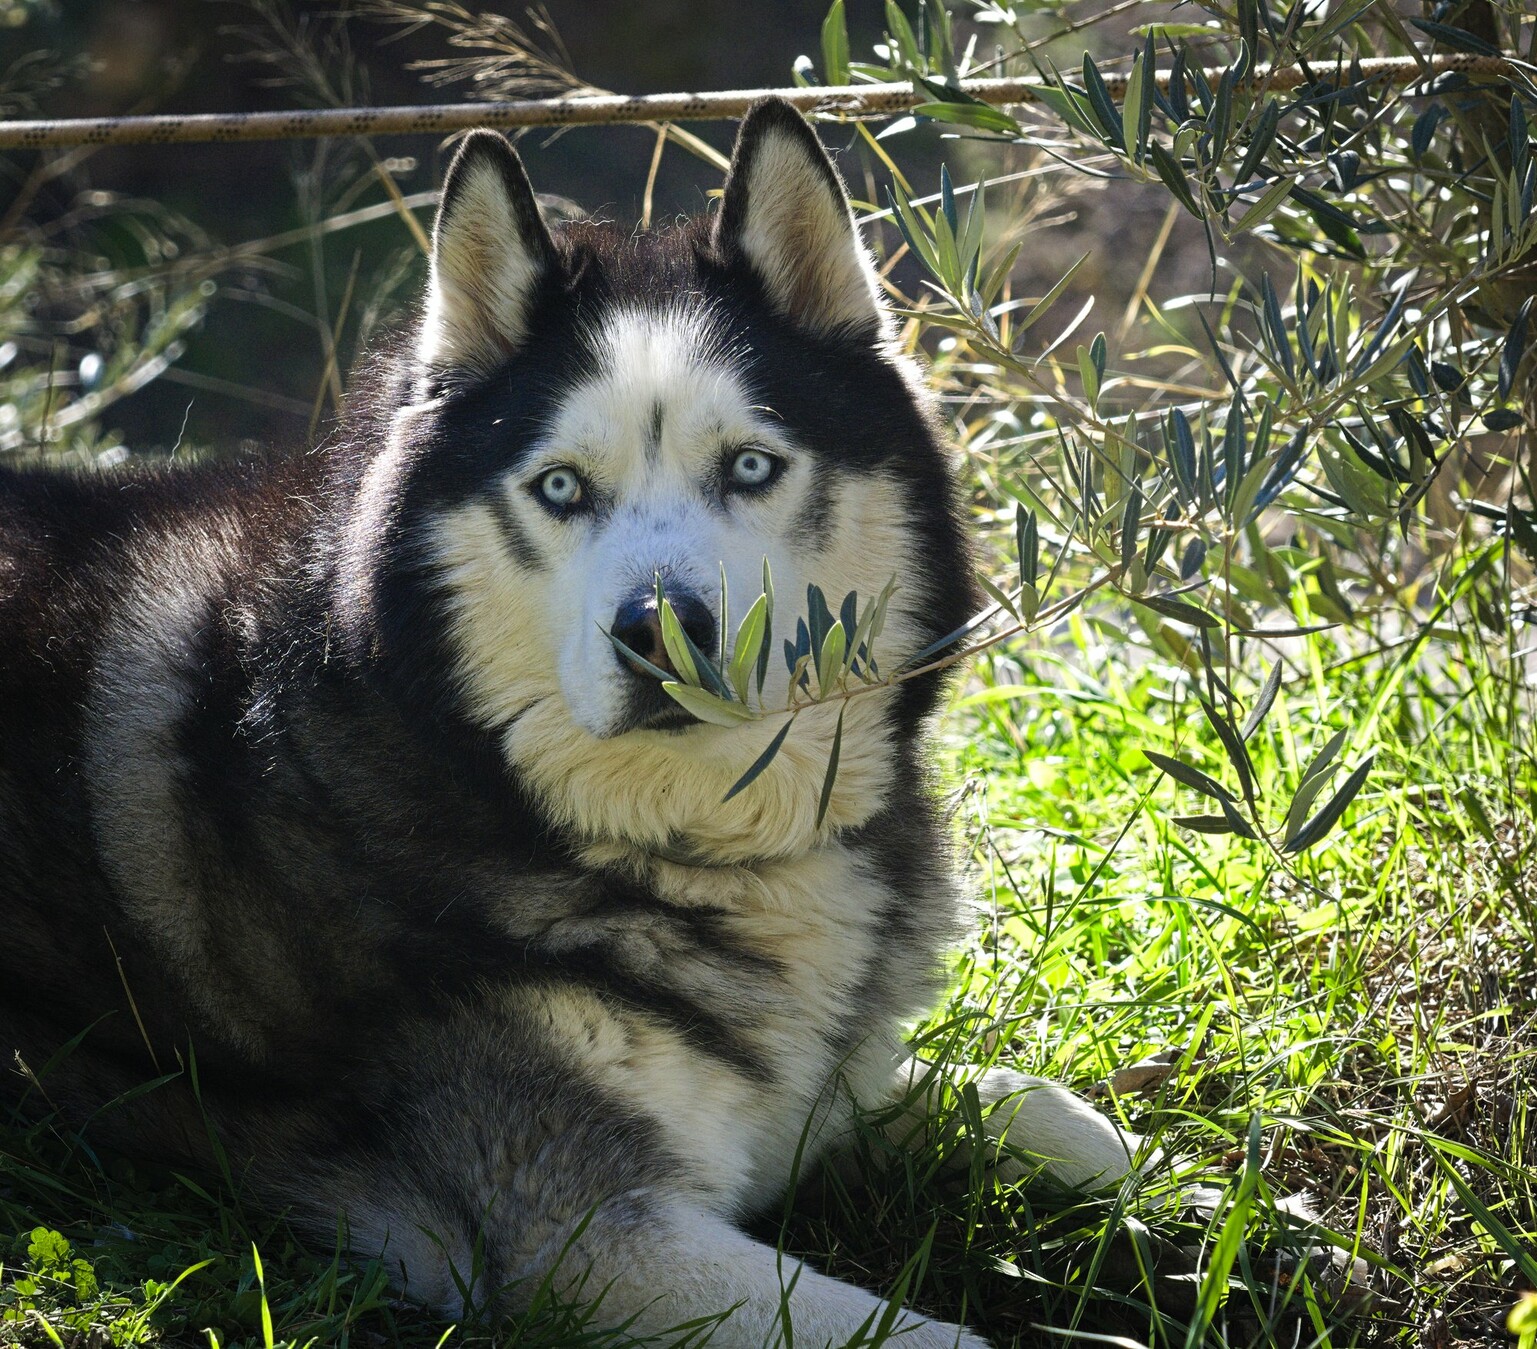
{"points": [[860, 100]]}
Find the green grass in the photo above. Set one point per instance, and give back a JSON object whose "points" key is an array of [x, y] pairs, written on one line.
{"points": [[1357, 1026]]}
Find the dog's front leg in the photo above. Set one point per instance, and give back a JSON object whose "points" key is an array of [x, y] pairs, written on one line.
{"points": [[504, 1180], [652, 1263], [648, 1259]]}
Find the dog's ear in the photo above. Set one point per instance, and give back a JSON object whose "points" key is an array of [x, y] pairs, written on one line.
{"points": [[490, 250], [786, 216]]}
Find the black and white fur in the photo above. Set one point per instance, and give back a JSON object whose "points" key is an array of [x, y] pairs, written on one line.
{"points": [[321, 773]]}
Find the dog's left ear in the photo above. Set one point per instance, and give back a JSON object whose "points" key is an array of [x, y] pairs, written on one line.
{"points": [[786, 216]]}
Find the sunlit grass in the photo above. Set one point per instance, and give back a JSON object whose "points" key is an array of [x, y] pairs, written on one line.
{"points": [[1371, 1012]]}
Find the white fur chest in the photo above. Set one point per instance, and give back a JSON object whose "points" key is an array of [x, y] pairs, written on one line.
{"points": [[802, 940]]}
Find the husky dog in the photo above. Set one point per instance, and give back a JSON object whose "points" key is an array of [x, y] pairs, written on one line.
{"points": [[326, 798]]}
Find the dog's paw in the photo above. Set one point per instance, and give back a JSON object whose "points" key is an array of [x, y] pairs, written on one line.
{"points": [[1048, 1130]]}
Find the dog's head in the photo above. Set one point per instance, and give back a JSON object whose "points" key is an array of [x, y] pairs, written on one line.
{"points": [[597, 409]]}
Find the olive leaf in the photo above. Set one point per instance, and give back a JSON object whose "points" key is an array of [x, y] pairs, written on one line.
{"points": [[751, 642], [761, 762], [1325, 820], [832, 768], [706, 706]]}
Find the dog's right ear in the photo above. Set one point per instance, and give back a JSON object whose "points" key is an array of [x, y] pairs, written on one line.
{"points": [[490, 250], [785, 215]]}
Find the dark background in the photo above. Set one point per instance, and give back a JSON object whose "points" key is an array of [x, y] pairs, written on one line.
{"points": [[188, 56], [255, 369]]}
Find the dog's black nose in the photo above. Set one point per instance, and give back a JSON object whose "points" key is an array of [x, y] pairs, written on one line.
{"points": [[638, 624]]}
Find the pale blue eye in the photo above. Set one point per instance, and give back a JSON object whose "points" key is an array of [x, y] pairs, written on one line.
{"points": [[561, 487], [753, 468]]}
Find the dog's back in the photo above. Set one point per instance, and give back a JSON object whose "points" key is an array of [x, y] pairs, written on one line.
{"points": [[128, 601]]}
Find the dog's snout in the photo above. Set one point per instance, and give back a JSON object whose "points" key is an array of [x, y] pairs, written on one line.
{"points": [[638, 625]]}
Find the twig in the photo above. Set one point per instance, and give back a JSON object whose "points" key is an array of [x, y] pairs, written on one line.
{"points": [[656, 163], [608, 109]]}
